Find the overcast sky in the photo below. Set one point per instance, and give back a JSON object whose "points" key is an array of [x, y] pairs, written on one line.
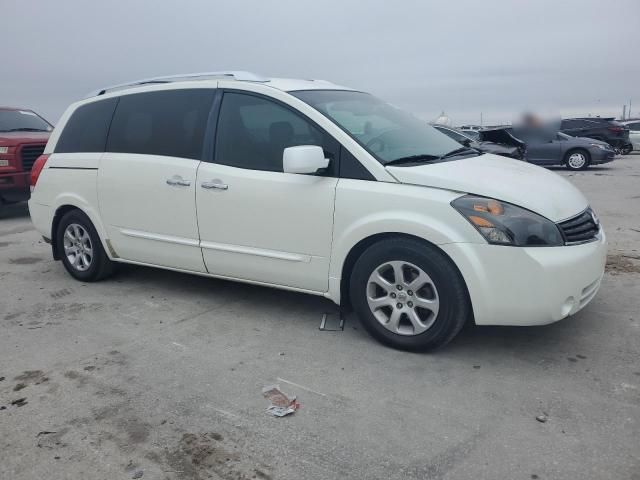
{"points": [[463, 57]]}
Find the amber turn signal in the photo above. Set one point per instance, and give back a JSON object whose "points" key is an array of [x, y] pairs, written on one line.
{"points": [[481, 222], [492, 206]]}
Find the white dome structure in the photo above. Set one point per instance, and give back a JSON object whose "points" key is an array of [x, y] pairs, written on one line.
{"points": [[443, 119]]}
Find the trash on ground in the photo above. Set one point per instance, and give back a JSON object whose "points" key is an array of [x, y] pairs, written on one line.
{"points": [[281, 403]]}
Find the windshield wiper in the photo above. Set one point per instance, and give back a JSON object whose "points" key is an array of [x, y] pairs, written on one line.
{"points": [[25, 129], [459, 151], [412, 159]]}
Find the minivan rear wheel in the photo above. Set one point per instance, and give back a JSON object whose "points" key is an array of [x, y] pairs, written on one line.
{"points": [[80, 248], [409, 295]]}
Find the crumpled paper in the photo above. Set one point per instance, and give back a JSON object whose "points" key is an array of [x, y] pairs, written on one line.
{"points": [[281, 403]]}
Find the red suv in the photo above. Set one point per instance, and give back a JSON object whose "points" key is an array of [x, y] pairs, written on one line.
{"points": [[23, 136]]}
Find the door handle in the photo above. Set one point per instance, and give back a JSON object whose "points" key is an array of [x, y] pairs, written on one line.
{"points": [[215, 184], [177, 181]]}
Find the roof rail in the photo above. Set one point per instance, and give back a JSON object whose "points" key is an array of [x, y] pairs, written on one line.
{"points": [[235, 74]]}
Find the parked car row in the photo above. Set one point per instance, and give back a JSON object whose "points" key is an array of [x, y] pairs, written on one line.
{"points": [[574, 153], [309, 186]]}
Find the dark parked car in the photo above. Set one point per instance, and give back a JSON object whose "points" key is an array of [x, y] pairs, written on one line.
{"points": [[599, 128], [486, 147], [560, 149]]}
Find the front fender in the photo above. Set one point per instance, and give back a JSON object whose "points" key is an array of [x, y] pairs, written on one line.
{"points": [[363, 211]]}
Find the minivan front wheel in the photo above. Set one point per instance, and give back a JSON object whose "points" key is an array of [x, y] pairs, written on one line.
{"points": [[80, 248], [408, 294]]}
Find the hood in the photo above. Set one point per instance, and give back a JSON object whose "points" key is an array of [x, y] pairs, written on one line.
{"points": [[497, 149], [520, 183], [15, 138], [503, 136]]}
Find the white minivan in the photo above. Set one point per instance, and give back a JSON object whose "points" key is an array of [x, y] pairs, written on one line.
{"points": [[317, 188]]}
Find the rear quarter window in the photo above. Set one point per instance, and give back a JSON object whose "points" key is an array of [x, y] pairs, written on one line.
{"points": [[169, 123], [87, 128]]}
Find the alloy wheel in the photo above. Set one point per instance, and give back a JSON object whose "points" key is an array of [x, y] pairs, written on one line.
{"points": [[77, 247], [402, 297], [577, 160]]}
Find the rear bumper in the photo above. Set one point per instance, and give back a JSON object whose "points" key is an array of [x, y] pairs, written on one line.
{"points": [[14, 187], [529, 286], [41, 218]]}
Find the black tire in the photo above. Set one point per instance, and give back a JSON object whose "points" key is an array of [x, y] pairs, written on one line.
{"points": [[454, 309], [100, 266], [626, 150], [577, 151]]}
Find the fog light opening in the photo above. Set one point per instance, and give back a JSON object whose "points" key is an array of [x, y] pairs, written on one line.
{"points": [[567, 306]]}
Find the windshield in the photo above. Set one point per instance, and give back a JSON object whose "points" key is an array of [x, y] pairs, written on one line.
{"points": [[22, 121], [386, 132]]}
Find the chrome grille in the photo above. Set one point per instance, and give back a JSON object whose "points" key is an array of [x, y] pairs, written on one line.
{"points": [[29, 154], [580, 229]]}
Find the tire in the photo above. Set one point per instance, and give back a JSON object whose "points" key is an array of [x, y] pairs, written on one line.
{"points": [[91, 264], [428, 318], [578, 159], [626, 150]]}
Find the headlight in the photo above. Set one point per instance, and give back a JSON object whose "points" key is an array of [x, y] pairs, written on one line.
{"points": [[502, 223], [4, 149], [597, 145]]}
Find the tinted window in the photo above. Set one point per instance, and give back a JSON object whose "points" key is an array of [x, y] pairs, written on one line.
{"points": [[253, 132], [87, 128], [634, 126], [169, 123], [569, 124]]}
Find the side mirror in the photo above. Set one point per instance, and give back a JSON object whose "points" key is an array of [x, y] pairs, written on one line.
{"points": [[466, 142], [303, 159]]}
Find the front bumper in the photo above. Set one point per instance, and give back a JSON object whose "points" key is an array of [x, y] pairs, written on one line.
{"points": [[529, 286], [599, 156], [14, 187]]}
